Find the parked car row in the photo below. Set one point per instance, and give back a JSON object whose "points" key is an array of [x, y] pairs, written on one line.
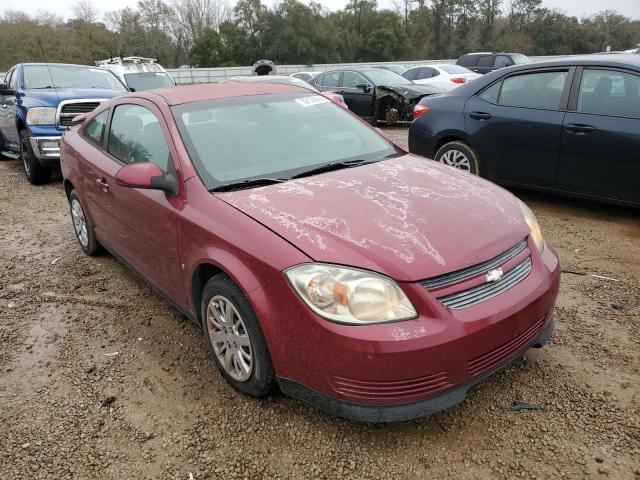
{"points": [[319, 257], [380, 95]]}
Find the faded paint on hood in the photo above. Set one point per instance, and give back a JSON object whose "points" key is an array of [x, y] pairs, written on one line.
{"points": [[407, 217]]}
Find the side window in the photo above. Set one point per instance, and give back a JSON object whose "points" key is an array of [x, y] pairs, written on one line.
{"points": [[94, 131], [136, 136], [609, 92], [491, 93], [502, 61], [425, 72], [485, 61], [351, 79], [467, 60], [330, 79], [534, 90], [411, 74]]}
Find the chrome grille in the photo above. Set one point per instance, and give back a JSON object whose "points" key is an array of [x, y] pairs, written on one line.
{"points": [[488, 290], [465, 273], [68, 109]]}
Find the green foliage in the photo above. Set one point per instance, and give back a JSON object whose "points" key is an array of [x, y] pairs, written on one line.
{"points": [[207, 34]]}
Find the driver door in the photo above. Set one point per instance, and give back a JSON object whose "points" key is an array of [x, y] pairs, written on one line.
{"points": [[141, 226], [358, 98]]}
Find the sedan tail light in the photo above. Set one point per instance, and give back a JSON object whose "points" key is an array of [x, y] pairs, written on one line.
{"points": [[420, 110], [458, 80]]}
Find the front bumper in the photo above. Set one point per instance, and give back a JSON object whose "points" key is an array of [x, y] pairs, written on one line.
{"points": [[46, 149], [402, 412], [399, 367]]}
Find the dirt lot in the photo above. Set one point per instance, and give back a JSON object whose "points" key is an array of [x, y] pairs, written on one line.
{"points": [[158, 409]]}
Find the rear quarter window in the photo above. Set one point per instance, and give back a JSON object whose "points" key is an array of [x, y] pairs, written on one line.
{"points": [[94, 131], [467, 60]]}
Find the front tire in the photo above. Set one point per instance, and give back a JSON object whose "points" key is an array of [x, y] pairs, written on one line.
{"points": [[234, 338], [36, 173], [82, 227], [459, 155]]}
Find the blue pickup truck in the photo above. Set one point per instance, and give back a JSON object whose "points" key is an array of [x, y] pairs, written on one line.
{"points": [[37, 105]]}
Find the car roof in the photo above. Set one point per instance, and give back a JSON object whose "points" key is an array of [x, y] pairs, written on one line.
{"points": [[622, 60], [213, 91], [56, 64], [435, 65]]}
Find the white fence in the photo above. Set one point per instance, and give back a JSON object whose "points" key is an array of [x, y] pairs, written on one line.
{"points": [[188, 76]]}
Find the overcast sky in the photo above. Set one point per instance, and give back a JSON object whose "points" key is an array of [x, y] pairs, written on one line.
{"points": [[579, 8]]}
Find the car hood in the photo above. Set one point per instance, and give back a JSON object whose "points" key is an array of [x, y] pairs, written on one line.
{"points": [[407, 217], [411, 91], [50, 96]]}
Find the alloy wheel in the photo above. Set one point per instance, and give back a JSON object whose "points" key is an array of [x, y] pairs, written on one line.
{"points": [[457, 159], [79, 223], [229, 338]]}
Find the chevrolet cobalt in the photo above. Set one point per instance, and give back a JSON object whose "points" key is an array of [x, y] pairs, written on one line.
{"points": [[314, 254]]}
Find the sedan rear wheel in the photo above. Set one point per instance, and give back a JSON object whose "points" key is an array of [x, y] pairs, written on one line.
{"points": [[459, 155], [82, 227], [235, 339]]}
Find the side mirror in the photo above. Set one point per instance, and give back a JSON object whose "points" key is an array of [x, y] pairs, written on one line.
{"points": [[131, 89], [147, 175], [5, 91], [364, 87]]}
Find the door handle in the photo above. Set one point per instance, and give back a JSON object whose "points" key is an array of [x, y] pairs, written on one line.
{"points": [[579, 128], [4, 105], [102, 182], [480, 115]]}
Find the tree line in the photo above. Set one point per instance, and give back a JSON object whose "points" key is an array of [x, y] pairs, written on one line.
{"points": [[208, 33]]}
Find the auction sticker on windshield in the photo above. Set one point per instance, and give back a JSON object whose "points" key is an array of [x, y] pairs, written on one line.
{"points": [[313, 100]]}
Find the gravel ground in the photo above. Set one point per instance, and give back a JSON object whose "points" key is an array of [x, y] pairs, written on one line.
{"points": [[72, 408]]}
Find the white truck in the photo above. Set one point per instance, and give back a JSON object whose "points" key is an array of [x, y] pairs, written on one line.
{"points": [[138, 73]]}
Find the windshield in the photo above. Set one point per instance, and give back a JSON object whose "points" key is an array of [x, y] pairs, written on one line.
{"points": [[455, 69], [380, 76], [70, 76], [148, 80], [275, 136], [519, 58]]}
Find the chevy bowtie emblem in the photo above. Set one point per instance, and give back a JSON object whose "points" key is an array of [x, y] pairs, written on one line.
{"points": [[494, 275]]}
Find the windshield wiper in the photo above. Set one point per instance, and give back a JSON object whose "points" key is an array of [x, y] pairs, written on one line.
{"points": [[329, 167], [252, 182]]}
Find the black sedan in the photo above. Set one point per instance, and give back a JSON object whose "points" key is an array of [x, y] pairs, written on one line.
{"points": [[376, 94], [568, 125]]}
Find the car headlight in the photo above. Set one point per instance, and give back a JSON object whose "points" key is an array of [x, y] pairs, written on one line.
{"points": [[348, 295], [41, 116], [534, 227]]}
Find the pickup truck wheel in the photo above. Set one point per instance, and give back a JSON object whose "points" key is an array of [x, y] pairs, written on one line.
{"points": [[82, 227], [36, 173], [234, 338]]}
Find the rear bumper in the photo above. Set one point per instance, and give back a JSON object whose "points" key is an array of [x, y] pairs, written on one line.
{"points": [[422, 141], [406, 411]]}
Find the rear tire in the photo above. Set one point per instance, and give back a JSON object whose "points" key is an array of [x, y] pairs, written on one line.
{"points": [[234, 338], [459, 155], [36, 173], [82, 227]]}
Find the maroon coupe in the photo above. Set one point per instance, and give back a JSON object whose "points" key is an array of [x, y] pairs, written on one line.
{"points": [[315, 254]]}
